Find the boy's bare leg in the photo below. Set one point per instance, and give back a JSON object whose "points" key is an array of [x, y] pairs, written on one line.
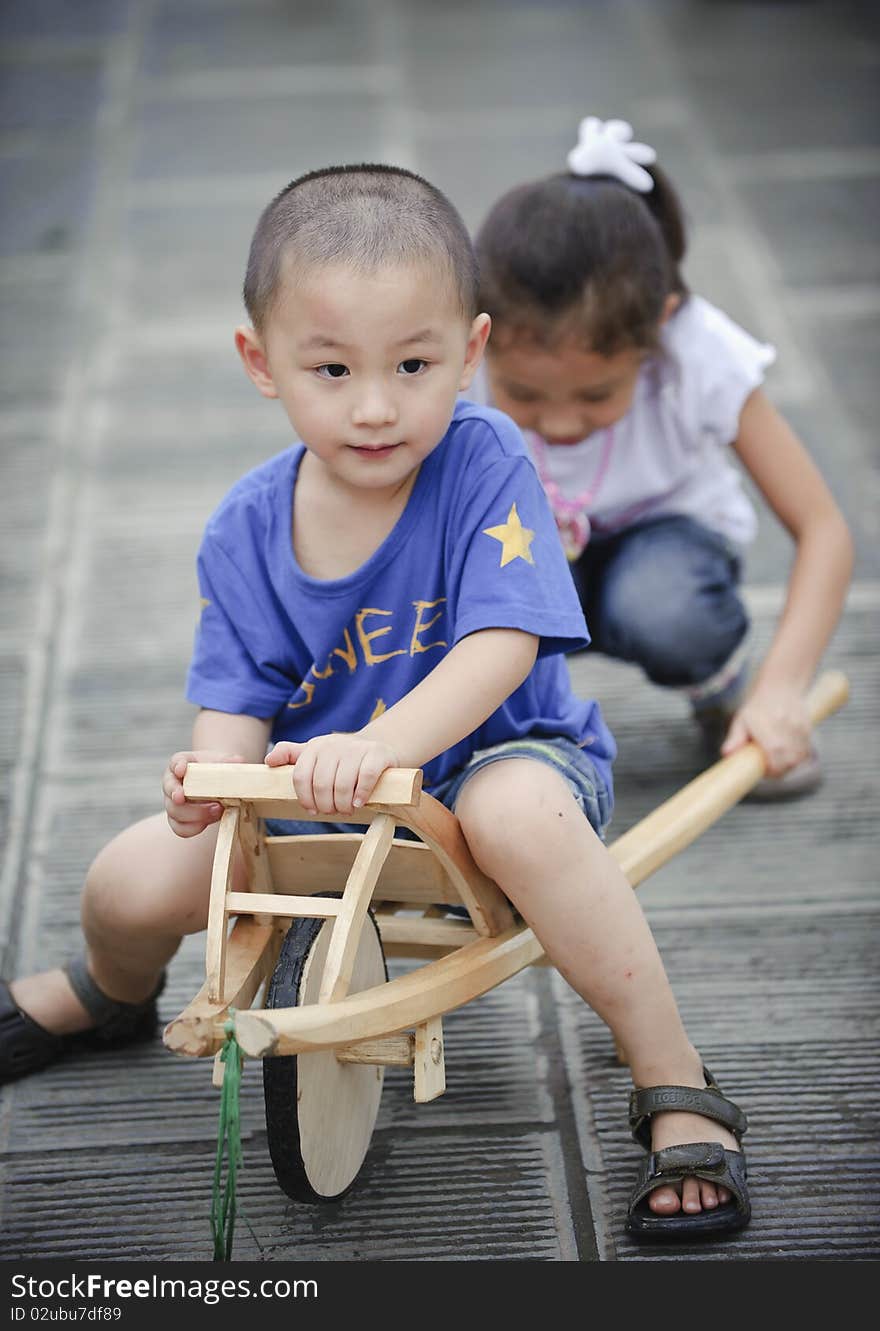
{"points": [[526, 831], [144, 891]]}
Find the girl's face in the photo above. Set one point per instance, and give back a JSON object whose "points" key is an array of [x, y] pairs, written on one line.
{"points": [[562, 394]]}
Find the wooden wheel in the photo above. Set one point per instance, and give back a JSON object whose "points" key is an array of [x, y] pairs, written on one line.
{"points": [[320, 1112]]}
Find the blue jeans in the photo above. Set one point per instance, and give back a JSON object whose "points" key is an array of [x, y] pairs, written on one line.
{"points": [[664, 595]]}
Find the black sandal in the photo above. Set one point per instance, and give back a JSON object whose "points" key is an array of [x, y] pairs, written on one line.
{"points": [[26, 1046], [705, 1160]]}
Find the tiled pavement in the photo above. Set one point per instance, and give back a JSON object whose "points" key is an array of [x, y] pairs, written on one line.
{"points": [[138, 142]]}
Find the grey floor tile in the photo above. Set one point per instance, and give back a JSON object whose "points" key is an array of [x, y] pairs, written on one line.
{"points": [[822, 230], [47, 194], [767, 923], [290, 134], [195, 38]]}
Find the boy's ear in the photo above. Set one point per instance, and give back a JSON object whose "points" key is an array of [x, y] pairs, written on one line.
{"points": [[671, 304], [253, 357], [476, 345]]}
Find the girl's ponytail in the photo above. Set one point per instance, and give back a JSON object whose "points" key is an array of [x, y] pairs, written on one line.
{"points": [[663, 202]]}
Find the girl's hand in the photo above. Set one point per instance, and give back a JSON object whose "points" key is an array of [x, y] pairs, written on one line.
{"points": [[334, 773], [778, 720], [185, 817]]}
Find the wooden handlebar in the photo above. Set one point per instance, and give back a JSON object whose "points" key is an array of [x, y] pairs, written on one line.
{"points": [[255, 781]]}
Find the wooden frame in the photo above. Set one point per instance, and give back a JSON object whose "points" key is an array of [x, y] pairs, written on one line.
{"points": [[397, 1023]]}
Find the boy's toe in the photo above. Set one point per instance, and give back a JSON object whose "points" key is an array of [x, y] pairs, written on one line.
{"points": [[696, 1195], [709, 1198], [664, 1201], [690, 1196]]}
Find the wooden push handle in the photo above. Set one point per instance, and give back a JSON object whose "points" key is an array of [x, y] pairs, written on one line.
{"points": [[828, 694], [681, 819]]}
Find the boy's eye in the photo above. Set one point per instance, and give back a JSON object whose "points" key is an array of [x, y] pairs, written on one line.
{"points": [[414, 365], [595, 397], [332, 371], [520, 394]]}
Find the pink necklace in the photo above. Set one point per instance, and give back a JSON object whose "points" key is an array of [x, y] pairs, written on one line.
{"points": [[571, 514]]}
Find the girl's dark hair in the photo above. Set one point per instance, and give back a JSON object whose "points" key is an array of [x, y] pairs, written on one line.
{"points": [[583, 255], [366, 215]]}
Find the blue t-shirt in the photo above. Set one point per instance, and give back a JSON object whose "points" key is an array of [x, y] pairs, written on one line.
{"points": [[475, 548]]}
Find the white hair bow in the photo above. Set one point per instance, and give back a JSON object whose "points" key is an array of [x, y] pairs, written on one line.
{"points": [[604, 148]]}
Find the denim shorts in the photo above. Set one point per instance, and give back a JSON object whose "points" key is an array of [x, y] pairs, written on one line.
{"points": [[572, 763]]}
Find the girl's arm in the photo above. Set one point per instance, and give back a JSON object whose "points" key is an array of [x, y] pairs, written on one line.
{"points": [[775, 711], [335, 773]]}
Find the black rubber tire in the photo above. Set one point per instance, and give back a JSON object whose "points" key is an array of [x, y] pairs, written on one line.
{"points": [[287, 1077]]}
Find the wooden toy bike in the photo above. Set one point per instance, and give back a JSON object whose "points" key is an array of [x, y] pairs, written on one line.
{"points": [[321, 914]]}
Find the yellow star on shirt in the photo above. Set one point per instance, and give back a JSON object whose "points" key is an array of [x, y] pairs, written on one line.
{"points": [[514, 537]]}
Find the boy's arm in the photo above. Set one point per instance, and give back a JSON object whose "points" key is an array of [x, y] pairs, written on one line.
{"points": [[218, 737], [246, 736], [461, 692], [335, 773], [775, 712]]}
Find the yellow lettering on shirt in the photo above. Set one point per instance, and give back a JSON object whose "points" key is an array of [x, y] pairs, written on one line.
{"points": [[348, 653], [309, 690], [419, 627], [370, 657], [364, 636]]}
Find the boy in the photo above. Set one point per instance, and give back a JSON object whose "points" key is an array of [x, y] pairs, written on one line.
{"points": [[391, 592]]}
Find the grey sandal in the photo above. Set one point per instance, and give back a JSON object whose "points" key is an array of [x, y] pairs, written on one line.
{"points": [[705, 1160], [26, 1046]]}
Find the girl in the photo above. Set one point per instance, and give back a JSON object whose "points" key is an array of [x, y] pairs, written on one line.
{"points": [[629, 391]]}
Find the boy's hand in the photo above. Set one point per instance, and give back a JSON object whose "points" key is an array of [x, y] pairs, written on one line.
{"points": [[334, 773], [186, 817], [778, 720]]}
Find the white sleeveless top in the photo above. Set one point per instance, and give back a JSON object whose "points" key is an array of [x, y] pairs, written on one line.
{"points": [[669, 453]]}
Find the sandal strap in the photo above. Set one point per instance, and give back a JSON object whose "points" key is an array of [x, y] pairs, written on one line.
{"points": [[709, 1102], [706, 1160], [679, 1161], [106, 1012], [25, 1045]]}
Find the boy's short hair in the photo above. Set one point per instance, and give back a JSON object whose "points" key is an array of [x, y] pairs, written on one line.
{"points": [[364, 215]]}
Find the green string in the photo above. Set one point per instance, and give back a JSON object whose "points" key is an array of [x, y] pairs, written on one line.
{"points": [[223, 1204]]}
